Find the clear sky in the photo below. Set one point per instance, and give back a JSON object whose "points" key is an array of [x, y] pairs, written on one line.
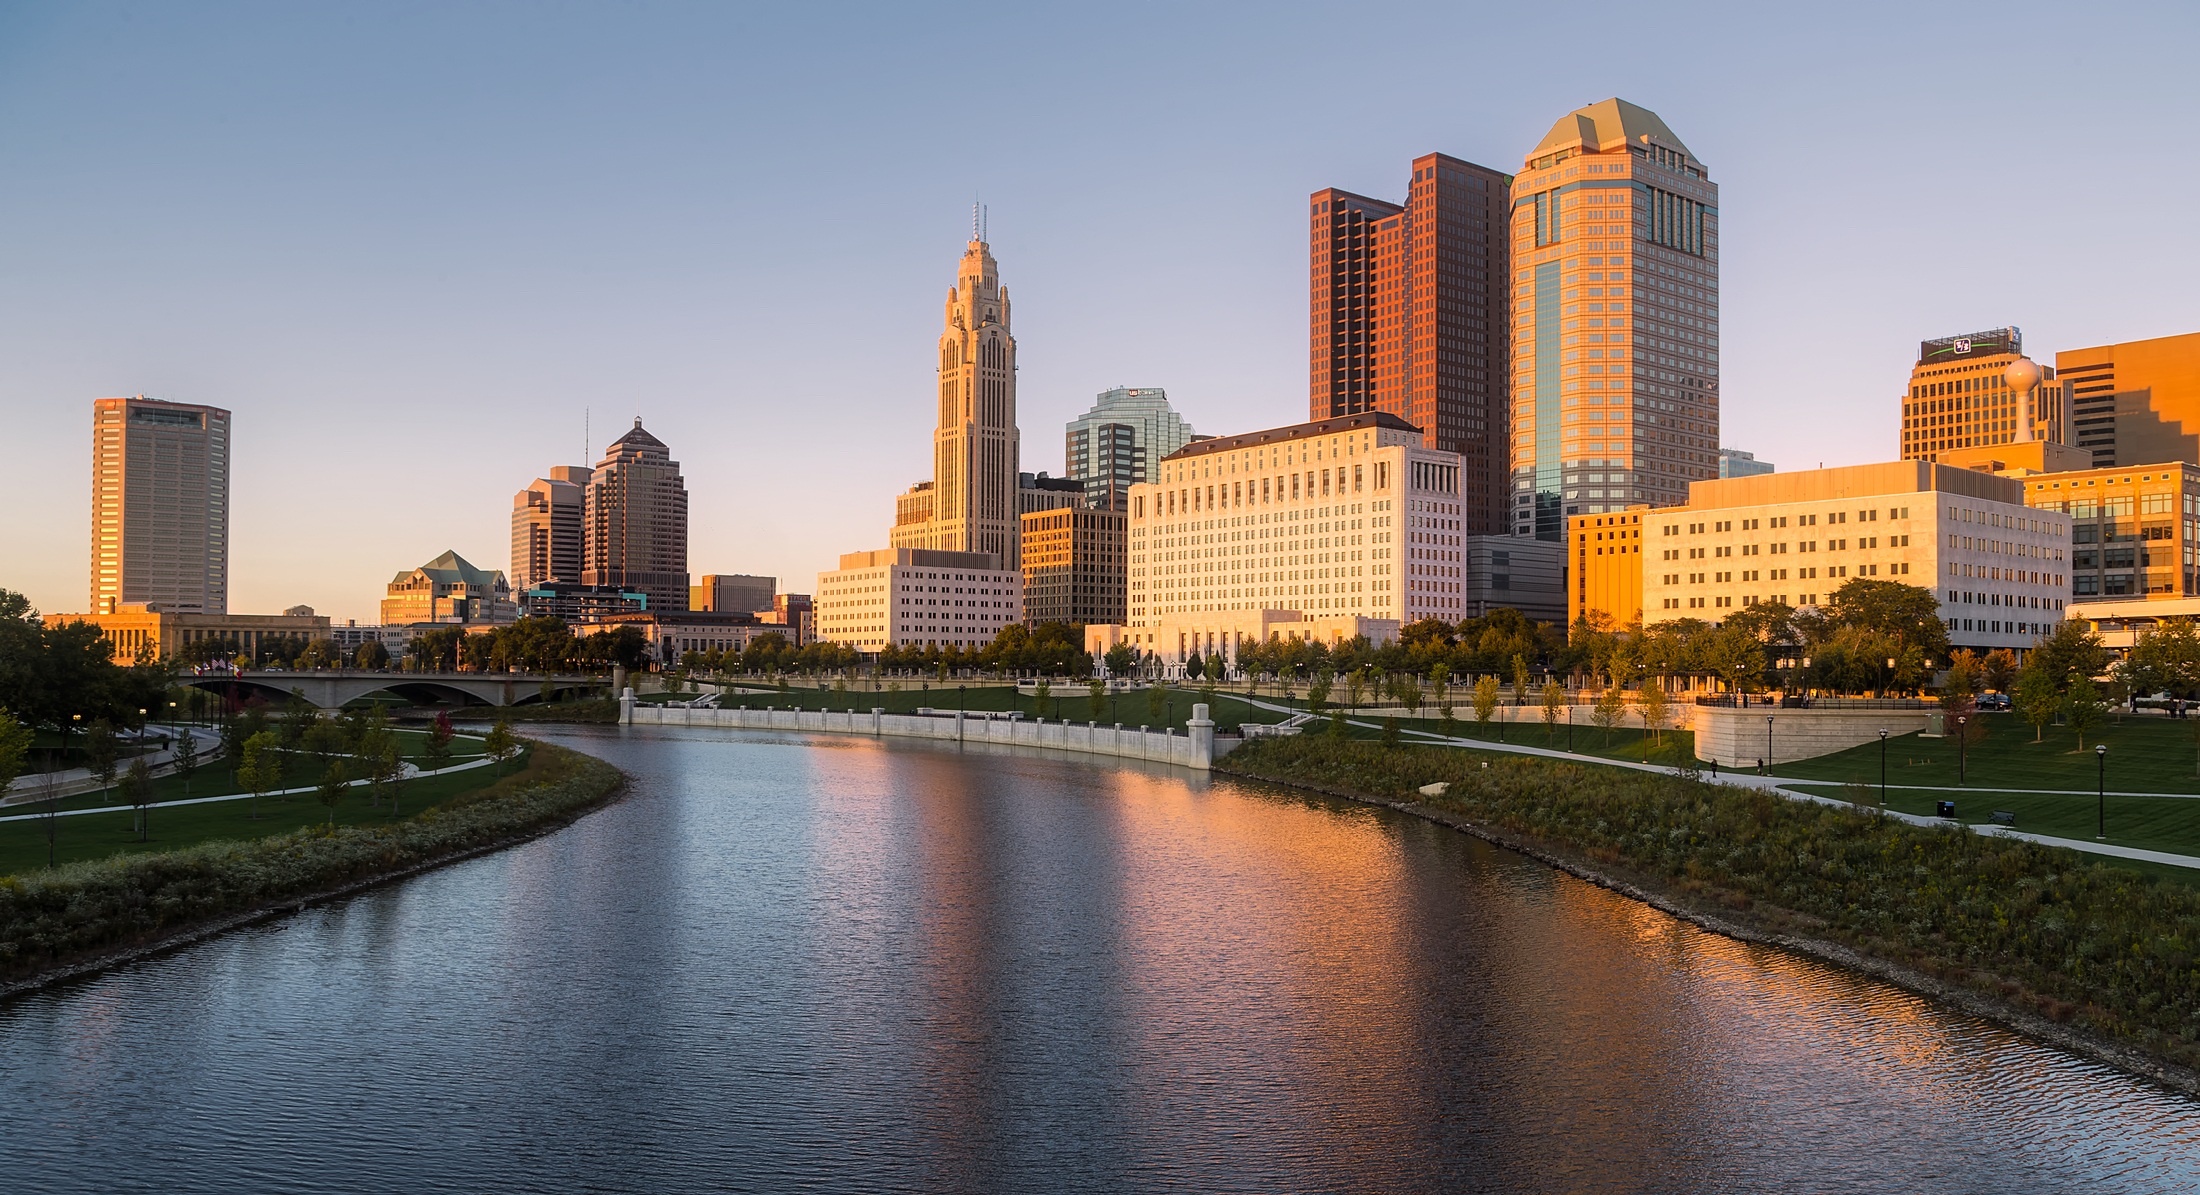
{"points": [[411, 244]]}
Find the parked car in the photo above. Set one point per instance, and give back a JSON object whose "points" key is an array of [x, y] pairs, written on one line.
{"points": [[1995, 703]]}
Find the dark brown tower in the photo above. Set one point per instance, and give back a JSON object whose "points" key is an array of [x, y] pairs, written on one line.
{"points": [[1407, 315]]}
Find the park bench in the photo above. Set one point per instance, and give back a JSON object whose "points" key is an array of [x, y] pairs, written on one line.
{"points": [[2003, 817]]}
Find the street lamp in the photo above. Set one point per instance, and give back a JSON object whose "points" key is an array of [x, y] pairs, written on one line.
{"points": [[1882, 768], [1960, 745], [1768, 740], [2100, 755]]}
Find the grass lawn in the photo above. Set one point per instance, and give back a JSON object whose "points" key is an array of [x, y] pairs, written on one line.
{"points": [[96, 836], [2144, 755], [2152, 823]]}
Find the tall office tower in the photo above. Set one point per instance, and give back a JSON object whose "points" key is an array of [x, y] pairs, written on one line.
{"points": [[160, 506], [1615, 320], [972, 505], [2137, 402], [546, 528], [635, 521], [1960, 397], [1114, 445], [1407, 315]]}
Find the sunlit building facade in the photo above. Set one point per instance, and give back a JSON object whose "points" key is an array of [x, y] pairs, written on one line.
{"points": [[160, 506]]}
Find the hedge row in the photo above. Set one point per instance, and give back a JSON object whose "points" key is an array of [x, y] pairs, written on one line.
{"points": [[52, 918], [2042, 928]]}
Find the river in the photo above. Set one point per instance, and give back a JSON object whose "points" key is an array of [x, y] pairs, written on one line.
{"points": [[846, 965]]}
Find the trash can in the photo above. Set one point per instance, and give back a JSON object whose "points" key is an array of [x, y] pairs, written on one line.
{"points": [[1946, 808]]}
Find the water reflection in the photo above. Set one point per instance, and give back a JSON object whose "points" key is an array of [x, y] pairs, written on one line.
{"points": [[846, 965]]}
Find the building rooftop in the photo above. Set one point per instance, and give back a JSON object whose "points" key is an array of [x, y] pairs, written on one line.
{"points": [[1607, 126], [451, 569], [1296, 431]]}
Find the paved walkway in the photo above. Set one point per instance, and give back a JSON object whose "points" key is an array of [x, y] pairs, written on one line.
{"points": [[68, 782], [1778, 784], [411, 772]]}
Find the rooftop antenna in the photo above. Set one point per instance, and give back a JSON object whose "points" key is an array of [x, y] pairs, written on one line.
{"points": [[588, 438], [985, 222], [975, 230]]}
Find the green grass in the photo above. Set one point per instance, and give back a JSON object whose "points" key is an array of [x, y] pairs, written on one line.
{"points": [[2144, 755], [2149, 823], [2047, 930]]}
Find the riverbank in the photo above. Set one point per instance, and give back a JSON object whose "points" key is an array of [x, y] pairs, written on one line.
{"points": [[2092, 959], [86, 916]]}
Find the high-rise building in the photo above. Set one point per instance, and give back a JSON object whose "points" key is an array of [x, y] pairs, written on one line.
{"points": [[160, 506], [732, 593], [1074, 566], [635, 516], [547, 528], [1960, 397], [2136, 401], [1615, 319], [1733, 462], [972, 499], [1407, 315], [1114, 445]]}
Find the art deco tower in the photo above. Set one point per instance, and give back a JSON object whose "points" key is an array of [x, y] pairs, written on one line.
{"points": [[1615, 318], [634, 522], [970, 504]]}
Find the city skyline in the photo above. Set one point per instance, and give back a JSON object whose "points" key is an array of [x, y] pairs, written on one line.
{"points": [[498, 317]]}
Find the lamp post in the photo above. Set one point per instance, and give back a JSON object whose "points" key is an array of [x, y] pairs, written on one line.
{"points": [[2100, 755], [1768, 740], [1882, 768], [1960, 745]]}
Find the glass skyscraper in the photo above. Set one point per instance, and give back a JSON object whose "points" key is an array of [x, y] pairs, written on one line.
{"points": [[1120, 440]]}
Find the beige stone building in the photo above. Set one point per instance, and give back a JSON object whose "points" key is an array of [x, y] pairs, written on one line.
{"points": [[1615, 319], [548, 528], [160, 506], [1075, 565], [1344, 516], [449, 590], [2000, 568], [144, 635], [917, 597], [1175, 638], [970, 503]]}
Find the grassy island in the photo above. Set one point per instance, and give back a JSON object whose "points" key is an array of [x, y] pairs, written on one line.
{"points": [[92, 910], [2058, 941]]}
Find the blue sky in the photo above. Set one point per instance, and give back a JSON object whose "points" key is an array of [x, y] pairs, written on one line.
{"points": [[409, 245]]}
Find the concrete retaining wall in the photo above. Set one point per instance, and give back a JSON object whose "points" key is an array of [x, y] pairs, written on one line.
{"points": [[1197, 749], [1736, 737]]}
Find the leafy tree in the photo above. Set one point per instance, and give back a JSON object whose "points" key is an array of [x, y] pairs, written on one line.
{"points": [[330, 790], [1317, 694], [137, 789], [323, 740], [1520, 678], [2070, 653], [1157, 704], [438, 748], [1390, 731], [2083, 709], [262, 770], [371, 654], [15, 749], [1121, 659], [1355, 686], [2036, 699], [501, 744], [187, 758], [1042, 690], [299, 716], [1554, 704], [101, 752], [1909, 615], [1959, 688], [1485, 701], [1195, 665], [1096, 694], [379, 761], [1655, 710], [1439, 687], [1999, 670], [1407, 689], [2165, 660], [1609, 711]]}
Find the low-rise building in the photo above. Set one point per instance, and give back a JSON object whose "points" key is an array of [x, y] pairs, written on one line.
{"points": [[2135, 529], [732, 593], [574, 602], [796, 613], [449, 590], [2001, 569], [1605, 577], [142, 634], [1517, 573], [1074, 565], [673, 635], [917, 597]]}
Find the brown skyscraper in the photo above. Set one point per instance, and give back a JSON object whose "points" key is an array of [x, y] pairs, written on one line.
{"points": [[634, 521], [1407, 316]]}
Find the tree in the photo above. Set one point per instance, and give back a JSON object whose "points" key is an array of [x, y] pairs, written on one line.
{"points": [[1906, 614], [1554, 701], [2083, 709], [15, 749], [1195, 665], [262, 770], [299, 716], [1485, 701], [2165, 660], [1406, 687], [1121, 659], [187, 758], [371, 654], [1610, 710], [1959, 689], [331, 788], [378, 760], [501, 744], [1738, 658], [1654, 709], [324, 740], [1317, 694], [1157, 704], [2070, 653], [1355, 686], [1042, 690], [1520, 679], [101, 751], [1097, 693], [137, 789], [1999, 670], [2036, 699], [438, 747]]}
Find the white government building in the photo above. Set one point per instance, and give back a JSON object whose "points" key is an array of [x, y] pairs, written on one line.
{"points": [[917, 597]]}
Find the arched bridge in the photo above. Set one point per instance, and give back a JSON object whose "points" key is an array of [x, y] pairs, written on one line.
{"points": [[334, 688]]}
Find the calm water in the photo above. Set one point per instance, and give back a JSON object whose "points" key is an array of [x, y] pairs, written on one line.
{"points": [[845, 966]]}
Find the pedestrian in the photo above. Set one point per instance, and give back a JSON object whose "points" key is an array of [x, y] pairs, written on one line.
{"points": [[1760, 765], [1714, 768]]}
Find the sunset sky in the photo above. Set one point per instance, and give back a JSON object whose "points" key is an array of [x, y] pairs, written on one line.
{"points": [[412, 247]]}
